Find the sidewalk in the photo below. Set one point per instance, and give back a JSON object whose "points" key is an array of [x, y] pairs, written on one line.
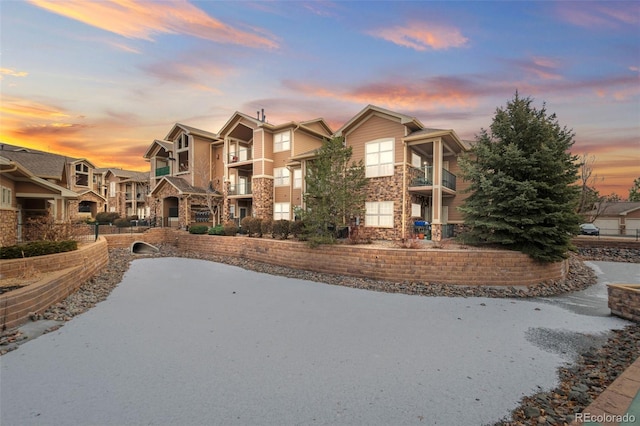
{"points": [[618, 405]]}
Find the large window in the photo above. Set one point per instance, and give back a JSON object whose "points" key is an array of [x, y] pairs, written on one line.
{"points": [[281, 211], [297, 178], [82, 175], [379, 158], [183, 142], [281, 176], [282, 141], [379, 214], [112, 189]]}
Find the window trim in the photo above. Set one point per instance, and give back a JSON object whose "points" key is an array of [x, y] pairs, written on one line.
{"points": [[279, 179], [297, 180], [277, 145], [277, 215], [370, 215], [378, 165]]}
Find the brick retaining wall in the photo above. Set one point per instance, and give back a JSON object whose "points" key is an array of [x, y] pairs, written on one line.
{"points": [[472, 267], [65, 273], [624, 300], [152, 236]]}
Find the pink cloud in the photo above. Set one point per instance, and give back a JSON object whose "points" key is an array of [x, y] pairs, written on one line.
{"points": [[145, 19], [599, 14], [422, 36]]}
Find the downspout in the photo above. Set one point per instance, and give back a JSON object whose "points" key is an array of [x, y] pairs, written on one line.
{"points": [[404, 188]]}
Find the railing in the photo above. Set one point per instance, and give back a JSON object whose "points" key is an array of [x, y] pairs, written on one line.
{"points": [[448, 179], [163, 171], [423, 176], [243, 154], [240, 189], [129, 196]]}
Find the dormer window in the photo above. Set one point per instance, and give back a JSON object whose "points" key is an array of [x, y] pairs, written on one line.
{"points": [[82, 175]]}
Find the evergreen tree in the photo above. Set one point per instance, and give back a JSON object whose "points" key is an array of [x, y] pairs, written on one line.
{"points": [[522, 175], [634, 192], [334, 191]]}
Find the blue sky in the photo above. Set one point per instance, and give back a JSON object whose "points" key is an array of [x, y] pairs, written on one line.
{"points": [[103, 79]]}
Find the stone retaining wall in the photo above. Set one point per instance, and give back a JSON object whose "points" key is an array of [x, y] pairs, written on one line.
{"points": [[65, 273], [469, 267], [152, 236], [624, 300]]}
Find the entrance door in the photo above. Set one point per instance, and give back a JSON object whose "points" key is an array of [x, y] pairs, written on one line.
{"points": [[243, 213]]}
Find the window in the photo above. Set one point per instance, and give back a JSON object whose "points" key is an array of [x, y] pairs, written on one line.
{"points": [[379, 158], [297, 178], [232, 211], [82, 175], [112, 189], [6, 197], [183, 142], [281, 211], [416, 210], [416, 161], [379, 214], [282, 141], [281, 176]]}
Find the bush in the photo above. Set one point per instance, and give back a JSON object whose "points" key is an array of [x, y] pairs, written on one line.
{"points": [[257, 224], [267, 226], [296, 228], [216, 230], [248, 225], [198, 229], [37, 248], [281, 229], [107, 217], [122, 223], [230, 228]]}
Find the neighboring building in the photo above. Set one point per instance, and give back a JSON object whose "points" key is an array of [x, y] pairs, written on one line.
{"points": [[254, 168], [126, 192], [24, 196], [616, 218], [74, 174]]}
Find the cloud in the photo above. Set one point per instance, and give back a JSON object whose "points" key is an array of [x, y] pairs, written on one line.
{"points": [[146, 19], [600, 15], [544, 68], [422, 36], [30, 109], [12, 73]]}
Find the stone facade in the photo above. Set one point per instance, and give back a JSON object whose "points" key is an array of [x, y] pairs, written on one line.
{"points": [[624, 301], [262, 189], [8, 227], [75, 215], [388, 188]]}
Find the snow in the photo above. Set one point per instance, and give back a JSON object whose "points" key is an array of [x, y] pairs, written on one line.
{"points": [[190, 342]]}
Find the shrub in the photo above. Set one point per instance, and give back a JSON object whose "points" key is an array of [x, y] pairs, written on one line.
{"points": [[37, 248], [248, 225], [45, 228], [198, 229], [296, 228], [122, 223], [230, 228], [258, 226], [107, 217], [281, 229], [216, 230], [267, 226]]}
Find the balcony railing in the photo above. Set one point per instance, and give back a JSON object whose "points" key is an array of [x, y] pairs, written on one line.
{"points": [[243, 154], [240, 189], [129, 196], [163, 171], [423, 176]]}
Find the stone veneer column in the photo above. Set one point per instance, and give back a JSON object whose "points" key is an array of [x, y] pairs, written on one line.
{"points": [[262, 189], [388, 188], [8, 227], [225, 202]]}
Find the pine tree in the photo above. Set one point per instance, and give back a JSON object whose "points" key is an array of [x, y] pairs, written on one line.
{"points": [[334, 191], [522, 183]]}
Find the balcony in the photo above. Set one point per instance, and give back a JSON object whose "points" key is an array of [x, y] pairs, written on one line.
{"points": [[129, 196], [240, 189], [243, 154], [423, 176], [163, 171]]}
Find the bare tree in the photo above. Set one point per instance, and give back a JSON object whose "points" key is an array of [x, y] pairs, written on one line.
{"points": [[213, 188], [589, 196]]}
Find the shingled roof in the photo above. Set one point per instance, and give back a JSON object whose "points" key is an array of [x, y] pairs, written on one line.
{"points": [[42, 164]]}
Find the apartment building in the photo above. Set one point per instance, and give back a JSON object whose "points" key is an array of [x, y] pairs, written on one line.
{"points": [[255, 168]]}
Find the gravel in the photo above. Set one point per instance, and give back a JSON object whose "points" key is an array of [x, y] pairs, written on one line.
{"points": [[594, 368]]}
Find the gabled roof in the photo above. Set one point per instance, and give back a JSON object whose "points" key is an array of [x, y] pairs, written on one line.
{"points": [[179, 127], [128, 174], [319, 121], [238, 115], [448, 135], [91, 191], [21, 173], [43, 164], [181, 185], [411, 122], [619, 208], [166, 145]]}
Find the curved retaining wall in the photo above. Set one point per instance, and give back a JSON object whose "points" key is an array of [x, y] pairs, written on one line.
{"points": [[624, 301], [469, 267], [65, 273]]}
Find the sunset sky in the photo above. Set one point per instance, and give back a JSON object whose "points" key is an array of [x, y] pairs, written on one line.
{"points": [[103, 79]]}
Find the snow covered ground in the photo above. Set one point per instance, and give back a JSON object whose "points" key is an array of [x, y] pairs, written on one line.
{"points": [[189, 342]]}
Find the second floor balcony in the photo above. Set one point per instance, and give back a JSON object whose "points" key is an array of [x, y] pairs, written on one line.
{"points": [[243, 154], [423, 177], [163, 171], [240, 189]]}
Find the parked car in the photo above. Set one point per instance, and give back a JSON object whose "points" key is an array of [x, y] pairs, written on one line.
{"points": [[589, 229]]}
